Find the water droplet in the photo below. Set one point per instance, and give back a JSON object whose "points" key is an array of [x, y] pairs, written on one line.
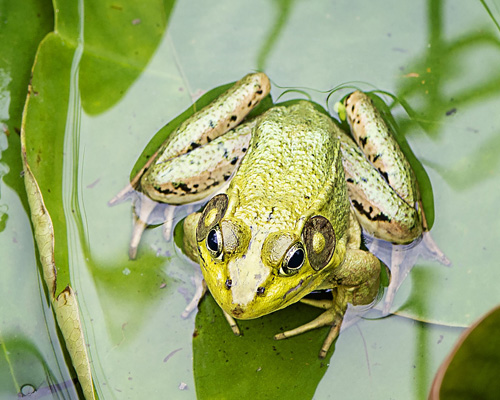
{"points": [[27, 390]]}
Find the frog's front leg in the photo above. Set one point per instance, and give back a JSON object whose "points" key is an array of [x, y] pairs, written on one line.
{"points": [[356, 281]]}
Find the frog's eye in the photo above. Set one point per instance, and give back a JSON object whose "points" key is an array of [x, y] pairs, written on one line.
{"points": [[211, 216], [293, 260], [319, 238], [214, 241]]}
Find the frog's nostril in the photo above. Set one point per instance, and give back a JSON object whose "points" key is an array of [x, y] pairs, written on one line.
{"points": [[237, 312], [261, 290], [228, 284]]}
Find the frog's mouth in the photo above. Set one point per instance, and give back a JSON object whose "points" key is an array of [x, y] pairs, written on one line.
{"points": [[255, 311], [238, 312], [264, 301]]}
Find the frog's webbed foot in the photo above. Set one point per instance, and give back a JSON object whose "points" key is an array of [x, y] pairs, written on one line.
{"points": [[122, 195], [432, 250], [145, 208], [140, 221], [131, 187], [201, 289], [333, 317], [148, 212], [402, 260]]}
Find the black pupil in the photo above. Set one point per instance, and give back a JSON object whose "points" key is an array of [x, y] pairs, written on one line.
{"points": [[296, 259], [212, 241]]}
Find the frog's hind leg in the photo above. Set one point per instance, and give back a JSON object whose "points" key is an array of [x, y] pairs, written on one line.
{"points": [[191, 177], [383, 189], [225, 112]]}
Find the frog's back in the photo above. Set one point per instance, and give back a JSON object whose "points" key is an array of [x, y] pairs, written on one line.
{"points": [[288, 165]]}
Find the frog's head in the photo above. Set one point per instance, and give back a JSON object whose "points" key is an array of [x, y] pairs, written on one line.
{"points": [[252, 272]]}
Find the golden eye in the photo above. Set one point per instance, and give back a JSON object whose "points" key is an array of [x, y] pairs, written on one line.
{"points": [[211, 216], [319, 238]]}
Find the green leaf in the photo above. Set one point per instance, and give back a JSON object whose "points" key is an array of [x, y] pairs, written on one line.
{"points": [[257, 365], [471, 370], [119, 38], [31, 356]]}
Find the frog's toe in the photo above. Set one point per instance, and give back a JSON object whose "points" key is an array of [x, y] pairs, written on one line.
{"points": [[332, 335], [432, 250], [201, 289], [140, 224], [232, 323], [328, 318]]}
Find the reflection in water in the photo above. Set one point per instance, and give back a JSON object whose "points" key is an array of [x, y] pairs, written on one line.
{"points": [[283, 9], [119, 43], [434, 83], [5, 80], [463, 174]]}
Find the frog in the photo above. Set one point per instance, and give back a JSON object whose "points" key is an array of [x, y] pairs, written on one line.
{"points": [[290, 193]]}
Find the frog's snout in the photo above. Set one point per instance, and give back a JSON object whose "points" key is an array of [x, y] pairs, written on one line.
{"points": [[240, 311], [243, 304], [237, 312]]}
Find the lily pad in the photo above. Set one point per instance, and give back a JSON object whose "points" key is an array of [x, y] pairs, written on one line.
{"points": [[101, 90]]}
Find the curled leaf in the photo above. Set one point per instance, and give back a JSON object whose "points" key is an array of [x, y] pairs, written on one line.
{"points": [[472, 369]]}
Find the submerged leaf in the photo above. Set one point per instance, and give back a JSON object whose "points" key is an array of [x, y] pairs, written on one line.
{"points": [[68, 318]]}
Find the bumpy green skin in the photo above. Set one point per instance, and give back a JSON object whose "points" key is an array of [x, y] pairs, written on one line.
{"points": [[293, 168], [292, 172], [291, 177]]}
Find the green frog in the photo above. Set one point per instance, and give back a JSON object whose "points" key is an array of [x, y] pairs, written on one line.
{"points": [[291, 190]]}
